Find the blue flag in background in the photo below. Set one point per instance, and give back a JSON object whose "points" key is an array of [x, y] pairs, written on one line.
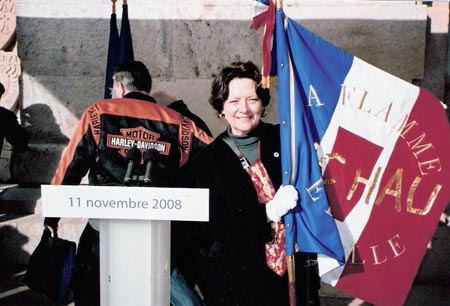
{"points": [[113, 55], [310, 226], [120, 48], [126, 43]]}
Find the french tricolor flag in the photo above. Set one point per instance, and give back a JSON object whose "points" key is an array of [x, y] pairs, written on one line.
{"points": [[368, 152]]}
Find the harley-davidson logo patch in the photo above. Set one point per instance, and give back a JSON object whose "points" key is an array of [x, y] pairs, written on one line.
{"points": [[140, 137]]}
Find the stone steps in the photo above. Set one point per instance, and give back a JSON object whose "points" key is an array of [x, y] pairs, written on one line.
{"points": [[19, 200]]}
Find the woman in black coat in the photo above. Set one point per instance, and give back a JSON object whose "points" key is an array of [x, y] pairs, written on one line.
{"points": [[240, 223]]}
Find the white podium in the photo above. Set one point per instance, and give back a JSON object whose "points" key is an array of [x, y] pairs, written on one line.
{"points": [[134, 234]]}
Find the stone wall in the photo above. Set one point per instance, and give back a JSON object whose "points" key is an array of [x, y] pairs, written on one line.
{"points": [[62, 46]]}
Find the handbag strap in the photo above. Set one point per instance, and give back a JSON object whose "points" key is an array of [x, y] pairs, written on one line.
{"points": [[230, 142], [257, 172], [46, 234]]}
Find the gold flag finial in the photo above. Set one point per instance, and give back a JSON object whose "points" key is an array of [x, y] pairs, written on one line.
{"points": [[265, 81]]}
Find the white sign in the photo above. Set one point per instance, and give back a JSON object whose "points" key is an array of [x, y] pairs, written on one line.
{"points": [[117, 202]]}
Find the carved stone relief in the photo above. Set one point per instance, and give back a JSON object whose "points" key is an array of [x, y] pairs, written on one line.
{"points": [[10, 71]]}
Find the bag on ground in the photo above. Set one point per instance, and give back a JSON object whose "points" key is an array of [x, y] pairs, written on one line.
{"points": [[50, 268]]}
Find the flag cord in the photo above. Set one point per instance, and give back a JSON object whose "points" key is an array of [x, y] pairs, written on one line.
{"points": [[291, 259]]}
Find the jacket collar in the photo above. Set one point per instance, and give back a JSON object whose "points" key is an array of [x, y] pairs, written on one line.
{"points": [[139, 96]]}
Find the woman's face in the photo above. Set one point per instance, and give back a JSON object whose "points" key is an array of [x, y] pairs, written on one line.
{"points": [[243, 108]]}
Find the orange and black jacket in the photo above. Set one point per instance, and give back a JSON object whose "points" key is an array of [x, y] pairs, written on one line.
{"points": [[109, 128]]}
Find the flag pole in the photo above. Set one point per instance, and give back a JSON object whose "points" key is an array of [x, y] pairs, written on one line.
{"points": [[290, 258], [113, 6], [291, 280], [279, 4]]}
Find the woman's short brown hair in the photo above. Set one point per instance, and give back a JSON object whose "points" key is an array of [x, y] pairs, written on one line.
{"points": [[242, 70]]}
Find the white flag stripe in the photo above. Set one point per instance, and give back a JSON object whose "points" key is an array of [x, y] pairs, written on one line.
{"points": [[382, 102]]}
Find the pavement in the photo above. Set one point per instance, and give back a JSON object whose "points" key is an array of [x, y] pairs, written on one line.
{"points": [[14, 293]]}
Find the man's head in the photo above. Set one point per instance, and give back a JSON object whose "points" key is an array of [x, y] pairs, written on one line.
{"points": [[131, 76]]}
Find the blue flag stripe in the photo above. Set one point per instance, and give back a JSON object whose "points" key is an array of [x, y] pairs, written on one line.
{"points": [[309, 226], [315, 60]]}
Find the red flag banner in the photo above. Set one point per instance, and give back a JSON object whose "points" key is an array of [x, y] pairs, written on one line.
{"points": [[394, 205]]}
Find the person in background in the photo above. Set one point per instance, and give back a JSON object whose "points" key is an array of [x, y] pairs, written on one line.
{"points": [[242, 169], [167, 100], [91, 151], [189, 241], [10, 129]]}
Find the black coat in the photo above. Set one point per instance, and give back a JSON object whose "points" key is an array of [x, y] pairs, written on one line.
{"points": [[238, 224], [188, 241]]}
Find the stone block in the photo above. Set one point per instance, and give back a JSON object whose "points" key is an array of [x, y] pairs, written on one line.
{"points": [[63, 47], [205, 46], [20, 200], [36, 165]]}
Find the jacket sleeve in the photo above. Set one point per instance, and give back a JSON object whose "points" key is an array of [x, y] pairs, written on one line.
{"points": [[192, 139], [79, 154]]}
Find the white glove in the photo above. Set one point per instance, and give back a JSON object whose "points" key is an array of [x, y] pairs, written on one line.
{"points": [[284, 200]]}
